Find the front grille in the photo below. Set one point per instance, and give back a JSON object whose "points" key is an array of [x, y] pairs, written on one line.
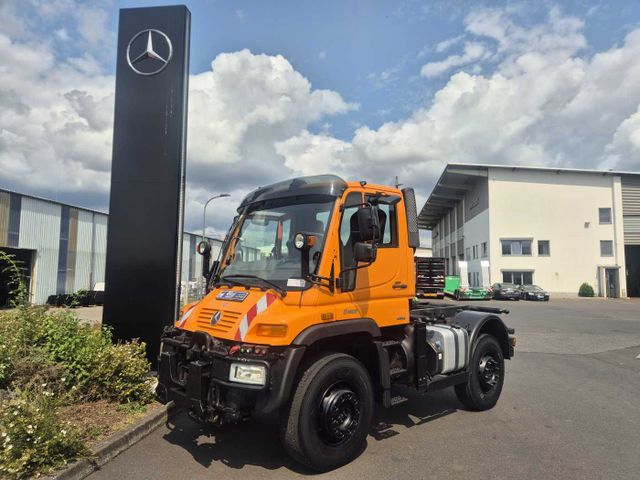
{"points": [[227, 321]]}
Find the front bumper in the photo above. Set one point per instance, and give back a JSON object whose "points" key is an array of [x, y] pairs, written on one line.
{"points": [[193, 372]]}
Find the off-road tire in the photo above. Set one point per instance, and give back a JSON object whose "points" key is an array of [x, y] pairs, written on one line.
{"points": [[304, 431], [478, 393]]}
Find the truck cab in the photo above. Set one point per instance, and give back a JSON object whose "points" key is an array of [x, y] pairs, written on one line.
{"points": [[310, 312]]}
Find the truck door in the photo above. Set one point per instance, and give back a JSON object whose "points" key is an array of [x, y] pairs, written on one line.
{"points": [[380, 290]]}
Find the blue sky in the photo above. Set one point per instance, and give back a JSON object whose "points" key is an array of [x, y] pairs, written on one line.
{"points": [[368, 90], [368, 51]]}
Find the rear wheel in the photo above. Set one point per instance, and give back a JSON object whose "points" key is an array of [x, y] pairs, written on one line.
{"points": [[486, 375], [329, 417]]}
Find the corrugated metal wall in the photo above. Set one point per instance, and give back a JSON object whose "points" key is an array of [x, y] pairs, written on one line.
{"points": [[631, 209], [5, 198], [72, 252], [100, 253], [40, 231], [184, 273], [45, 227], [84, 251]]}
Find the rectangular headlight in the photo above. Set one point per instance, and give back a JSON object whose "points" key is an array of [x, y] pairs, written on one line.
{"points": [[250, 374]]}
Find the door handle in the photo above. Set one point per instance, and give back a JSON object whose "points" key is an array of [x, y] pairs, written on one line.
{"points": [[399, 286]]}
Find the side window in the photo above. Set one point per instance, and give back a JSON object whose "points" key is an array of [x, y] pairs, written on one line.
{"points": [[286, 236], [348, 238]]}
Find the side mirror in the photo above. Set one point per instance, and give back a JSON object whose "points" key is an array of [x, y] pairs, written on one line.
{"points": [[364, 252], [368, 224], [204, 249]]}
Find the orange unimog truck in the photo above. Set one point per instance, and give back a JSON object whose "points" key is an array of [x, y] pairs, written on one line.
{"points": [[310, 312]]}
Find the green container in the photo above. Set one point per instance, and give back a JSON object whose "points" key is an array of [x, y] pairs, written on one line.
{"points": [[452, 288], [451, 284]]}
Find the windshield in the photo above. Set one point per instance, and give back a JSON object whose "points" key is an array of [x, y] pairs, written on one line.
{"points": [[263, 243]]}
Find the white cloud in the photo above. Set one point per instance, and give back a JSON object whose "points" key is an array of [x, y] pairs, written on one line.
{"points": [[387, 76], [545, 103], [309, 154], [541, 101], [56, 119], [91, 23], [239, 113], [473, 52]]}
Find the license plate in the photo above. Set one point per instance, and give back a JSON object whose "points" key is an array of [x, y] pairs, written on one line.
{"points": [[232, 296]]}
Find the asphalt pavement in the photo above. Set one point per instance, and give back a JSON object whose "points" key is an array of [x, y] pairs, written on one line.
{"points": [[570, 409]]}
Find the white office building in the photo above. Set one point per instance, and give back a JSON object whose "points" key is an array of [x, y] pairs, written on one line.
{"points": [[552, 227]]}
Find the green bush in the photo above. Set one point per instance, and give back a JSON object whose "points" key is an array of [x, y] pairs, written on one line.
{"points": [[50, 359], [79, 347], [122, 375], [59, 348], [585, 290], [33, 439]]}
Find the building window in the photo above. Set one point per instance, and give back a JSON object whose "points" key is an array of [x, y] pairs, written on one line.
{"points": [[544, 249], [467, 253], [606, 248], [605, 216], [518, 278], [485, 253], [516, 247]]}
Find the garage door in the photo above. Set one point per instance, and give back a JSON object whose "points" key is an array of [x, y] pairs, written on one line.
{"points": [[631, 210]]}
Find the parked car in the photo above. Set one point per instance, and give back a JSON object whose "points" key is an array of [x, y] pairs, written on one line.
{"points": [[506, 291], [534, 292]]}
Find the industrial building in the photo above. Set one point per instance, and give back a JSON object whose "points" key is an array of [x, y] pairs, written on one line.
{"points": [[552, 227], [62, 248]]}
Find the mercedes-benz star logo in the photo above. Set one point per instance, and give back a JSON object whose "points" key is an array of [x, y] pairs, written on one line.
{"points": [[153, 58], [216, 317]]}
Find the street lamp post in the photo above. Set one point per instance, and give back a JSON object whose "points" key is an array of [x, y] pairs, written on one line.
{"points": [[204, 213], [204, 248]]}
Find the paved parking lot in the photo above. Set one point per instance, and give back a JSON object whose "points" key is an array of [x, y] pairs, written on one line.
{"points": [[570, 409]]}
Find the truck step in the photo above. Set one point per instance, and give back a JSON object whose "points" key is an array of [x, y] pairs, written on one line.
{"points": [[398, 400], [396, 372]]}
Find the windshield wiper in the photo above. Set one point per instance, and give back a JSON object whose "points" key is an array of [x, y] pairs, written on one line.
{"points": [[237, 280]]}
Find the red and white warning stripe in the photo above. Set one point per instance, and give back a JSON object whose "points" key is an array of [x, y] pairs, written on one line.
{"points": [[185, 317], [264, 302]]}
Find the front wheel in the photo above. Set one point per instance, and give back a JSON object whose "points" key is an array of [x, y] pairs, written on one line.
{"points": [[486, 375], [329, 417]]}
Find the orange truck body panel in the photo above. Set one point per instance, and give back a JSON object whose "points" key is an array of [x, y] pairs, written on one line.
{"points": [[382, 292]]}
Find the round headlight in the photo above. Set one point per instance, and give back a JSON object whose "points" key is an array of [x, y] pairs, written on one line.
{"points": [[298, 241], [203, 247]]}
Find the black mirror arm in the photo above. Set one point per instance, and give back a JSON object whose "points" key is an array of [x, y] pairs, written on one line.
{"points": [[329, 282], [357, 267]]}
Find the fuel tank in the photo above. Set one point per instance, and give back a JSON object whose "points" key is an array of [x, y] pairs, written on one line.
{"points": [[450, 345]]}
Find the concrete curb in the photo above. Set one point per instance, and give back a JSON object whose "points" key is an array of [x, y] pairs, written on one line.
{"points": [[114, 445]]}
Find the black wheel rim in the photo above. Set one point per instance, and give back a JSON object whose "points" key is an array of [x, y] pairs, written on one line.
{"points": [[339, 414], [490, 372]]}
